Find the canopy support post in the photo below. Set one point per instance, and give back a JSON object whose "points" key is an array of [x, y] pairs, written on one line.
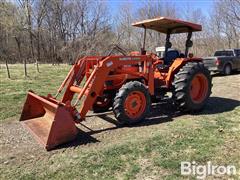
{"points": [[188, 43], [167, 43], [143, 51]]}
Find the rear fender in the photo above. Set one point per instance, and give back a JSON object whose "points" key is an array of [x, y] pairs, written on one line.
{"points": [[176, 66]]}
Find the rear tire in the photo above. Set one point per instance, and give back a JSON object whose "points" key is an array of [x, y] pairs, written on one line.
{"points": [[192, 87], [132, 103], [227, 69]]}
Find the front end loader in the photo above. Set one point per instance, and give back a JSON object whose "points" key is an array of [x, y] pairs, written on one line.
{"points": [[126, 83]]}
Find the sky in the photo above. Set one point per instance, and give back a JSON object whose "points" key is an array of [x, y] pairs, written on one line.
{"points": [[204, 5]]}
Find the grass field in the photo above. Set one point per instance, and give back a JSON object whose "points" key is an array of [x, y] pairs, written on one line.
{"points": [[150, 150], [13, 91]]}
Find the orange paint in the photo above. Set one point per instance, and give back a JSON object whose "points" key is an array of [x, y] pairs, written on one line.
{"points": [[199, 88], [135, 104]]}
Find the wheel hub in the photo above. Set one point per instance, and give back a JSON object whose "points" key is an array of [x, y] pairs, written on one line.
{"points": [[228, 70], [135, 104], [199, 88]]}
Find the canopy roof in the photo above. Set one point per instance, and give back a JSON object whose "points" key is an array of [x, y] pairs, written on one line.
{"points": [[163, 24]]}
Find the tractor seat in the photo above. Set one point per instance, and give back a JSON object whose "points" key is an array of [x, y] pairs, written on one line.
{"points": [[171, 56]]}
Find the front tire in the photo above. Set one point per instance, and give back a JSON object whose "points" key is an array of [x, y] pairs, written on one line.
{"points": [[192, 87], [132, 103]]}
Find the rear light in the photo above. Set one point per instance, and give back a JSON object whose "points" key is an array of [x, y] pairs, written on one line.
{"points": [[217, 62]]}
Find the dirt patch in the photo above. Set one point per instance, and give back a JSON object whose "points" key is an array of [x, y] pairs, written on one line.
{"points": [[102, 131]]}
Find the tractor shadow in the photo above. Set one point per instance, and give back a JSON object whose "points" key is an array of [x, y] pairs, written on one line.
{"points": [[160, 113], [82, 138], [165, 111], [216, 105]]}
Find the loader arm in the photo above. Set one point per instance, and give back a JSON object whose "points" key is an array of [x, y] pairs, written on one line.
{"points": [[95, 82], [94, 85]]}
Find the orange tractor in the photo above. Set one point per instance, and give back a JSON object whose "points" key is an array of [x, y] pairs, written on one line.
{"points": [[127, 83]]}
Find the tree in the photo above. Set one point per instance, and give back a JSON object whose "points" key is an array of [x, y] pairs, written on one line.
{"points": [[59, 30], [226, 20], [40, 12]]}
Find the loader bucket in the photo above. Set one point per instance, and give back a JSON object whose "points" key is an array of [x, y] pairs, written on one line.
{"points": [[50, 123]]}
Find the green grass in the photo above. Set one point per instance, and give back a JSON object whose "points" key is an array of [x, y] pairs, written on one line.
{"points": [[202, 138], [164, 153], [13, 91]]}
